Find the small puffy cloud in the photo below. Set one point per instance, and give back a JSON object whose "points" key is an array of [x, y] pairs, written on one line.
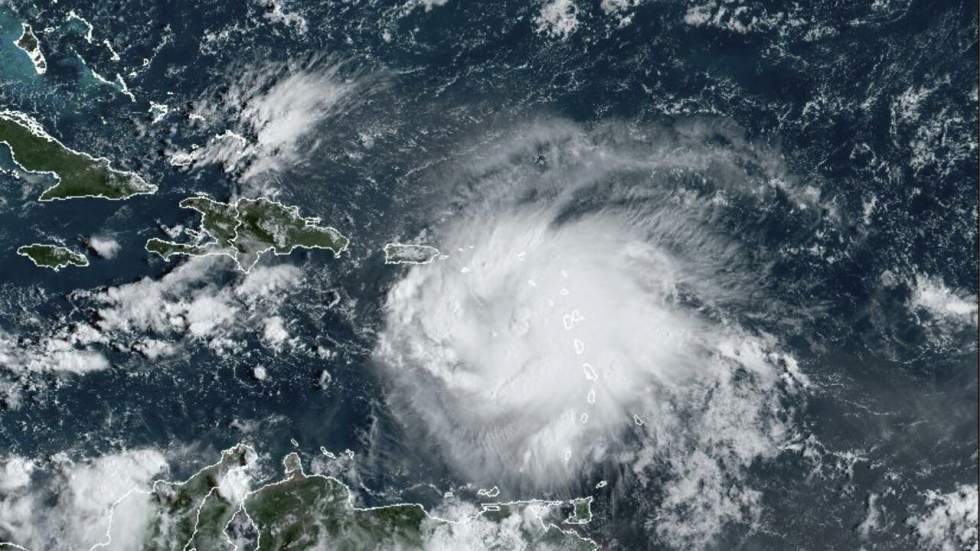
{"points": [[289, 110], [153, 349], [275, 332], [106, 247], [946, 316], [430, 4], [558, 19], [236, 485], [528, 525], [260, 373]]}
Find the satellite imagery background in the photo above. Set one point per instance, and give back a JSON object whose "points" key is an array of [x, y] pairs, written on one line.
{"points": [[447, 274]]}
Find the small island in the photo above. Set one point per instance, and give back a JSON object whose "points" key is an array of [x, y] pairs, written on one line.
{"points": [[54, 257], [247, 229], [78, 174], [401, 253], [32, 47]]}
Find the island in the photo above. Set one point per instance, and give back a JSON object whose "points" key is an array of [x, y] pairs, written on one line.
{"points": [[401, 253], [581, 511], [32, 47], [247, 229], [216, 509], [78, 174], [54, 257]]}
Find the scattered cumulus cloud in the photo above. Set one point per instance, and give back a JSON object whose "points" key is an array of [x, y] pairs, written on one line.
{"points": [[154, 318], [617, 6], [275, 12], [933, 296], [281, 106], [873, 518], [946, 316], [67, 351], [620, 10], [186, 302]]}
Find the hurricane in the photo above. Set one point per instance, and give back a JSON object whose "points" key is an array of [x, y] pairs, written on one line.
{"points": [[580, 317]]}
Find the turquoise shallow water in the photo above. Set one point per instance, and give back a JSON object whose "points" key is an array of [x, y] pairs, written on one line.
{"points": [[17, 66]]}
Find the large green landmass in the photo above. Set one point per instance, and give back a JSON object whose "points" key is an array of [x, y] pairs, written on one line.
{"points": [[248, 228], [316, 512], [52, 256], [194, 514], [78, 174]]}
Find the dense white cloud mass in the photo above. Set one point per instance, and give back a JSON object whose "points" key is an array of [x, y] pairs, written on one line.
{"points": [[950, 524], [570, 328], [15, 473], [274, 331], [557, 19], [77, 507], [943, 303], [106, 247], [65, 352]]}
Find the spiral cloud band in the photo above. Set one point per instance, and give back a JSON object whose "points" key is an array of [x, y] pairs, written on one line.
{"points": [[569, 329]]}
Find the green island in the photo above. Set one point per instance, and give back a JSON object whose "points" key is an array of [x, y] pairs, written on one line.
{"points": [[401, 253], [316, 512], [78, 174], [29, 43], [581, 511], [54, 257], [247, 229]]}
